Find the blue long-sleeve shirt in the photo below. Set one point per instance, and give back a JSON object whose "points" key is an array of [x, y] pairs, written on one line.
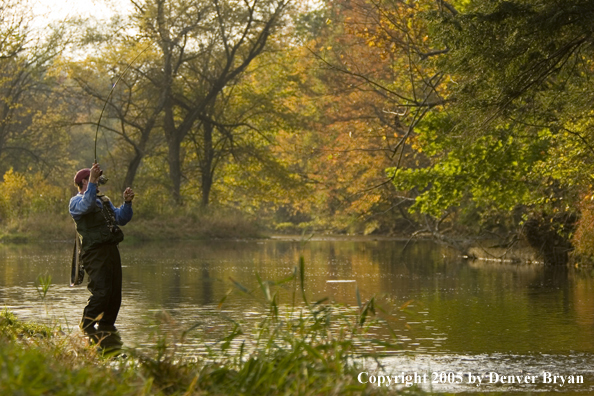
{"points": [[83, 203]]}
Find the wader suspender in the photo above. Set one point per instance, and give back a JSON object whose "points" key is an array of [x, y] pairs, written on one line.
{"points": [[108, 213], [77, 272]]}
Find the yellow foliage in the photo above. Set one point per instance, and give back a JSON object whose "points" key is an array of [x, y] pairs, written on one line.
{"points": [[14, 194], [22, 195]]}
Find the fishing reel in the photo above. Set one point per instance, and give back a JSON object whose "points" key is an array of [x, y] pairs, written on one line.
{"points": [[102, 180]]}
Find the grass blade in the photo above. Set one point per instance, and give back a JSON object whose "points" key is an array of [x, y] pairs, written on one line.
{"points": [[302, 278], [239, 286]]}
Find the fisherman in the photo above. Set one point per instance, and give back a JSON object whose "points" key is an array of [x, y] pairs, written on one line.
{"points": [[97, 221]]}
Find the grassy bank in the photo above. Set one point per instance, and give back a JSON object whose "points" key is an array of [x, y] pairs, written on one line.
{"points": [[49, 362], [51, 226]]}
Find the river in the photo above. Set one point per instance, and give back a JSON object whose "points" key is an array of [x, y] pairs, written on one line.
{"points": [[461, 318]]}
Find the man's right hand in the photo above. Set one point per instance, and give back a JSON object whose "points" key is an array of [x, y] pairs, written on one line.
{"points": [[95, 173]]}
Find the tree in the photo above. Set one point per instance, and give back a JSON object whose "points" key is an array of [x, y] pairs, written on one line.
{"points": [[204, 47], [373, 86], [516, 136], [133, 110], [237, 140], [27, 88]]}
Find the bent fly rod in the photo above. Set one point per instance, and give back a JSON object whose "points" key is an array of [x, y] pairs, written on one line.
{"points": [[111, 93]]}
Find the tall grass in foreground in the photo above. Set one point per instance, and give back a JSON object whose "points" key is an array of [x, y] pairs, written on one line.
{"points": [[309, 348]]}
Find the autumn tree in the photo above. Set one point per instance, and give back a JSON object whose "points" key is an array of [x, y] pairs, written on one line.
{"points": [[371, 96]]}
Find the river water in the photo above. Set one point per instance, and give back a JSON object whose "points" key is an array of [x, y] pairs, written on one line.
{"points": [[461, 322]]}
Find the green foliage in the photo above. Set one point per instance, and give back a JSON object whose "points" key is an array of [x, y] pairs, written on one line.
{"points": [[43, 368], [494, 171], [42, 285], [11, 328], [515, 133], [503, 51]]}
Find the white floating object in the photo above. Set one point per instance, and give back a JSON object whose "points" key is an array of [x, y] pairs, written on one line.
{"points": [[341, 281]]}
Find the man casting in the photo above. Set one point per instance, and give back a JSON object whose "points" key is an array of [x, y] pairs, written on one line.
{"points": [[97, 225]]}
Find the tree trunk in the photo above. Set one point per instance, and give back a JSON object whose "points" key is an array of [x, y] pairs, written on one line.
{"points": [[175, 174], [172, 136], [131, 172], [206, 165], [139, 151]]}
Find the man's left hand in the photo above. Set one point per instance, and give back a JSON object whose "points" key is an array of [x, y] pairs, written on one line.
{"points": [[128, 195]]}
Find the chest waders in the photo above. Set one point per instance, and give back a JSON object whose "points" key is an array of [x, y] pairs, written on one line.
{"points": [[92, 230]]}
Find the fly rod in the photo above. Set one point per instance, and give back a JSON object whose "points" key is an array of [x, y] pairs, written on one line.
{"points": [[111, 93]]}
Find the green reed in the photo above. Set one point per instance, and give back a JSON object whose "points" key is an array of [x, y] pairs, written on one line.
{"points": [[43, 285]]}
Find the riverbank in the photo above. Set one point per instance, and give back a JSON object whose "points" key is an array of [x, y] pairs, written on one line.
{"points": [[187, 226], [60, 227]]}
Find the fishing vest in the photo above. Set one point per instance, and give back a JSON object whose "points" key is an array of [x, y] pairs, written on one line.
{"points": [[98, 227]]}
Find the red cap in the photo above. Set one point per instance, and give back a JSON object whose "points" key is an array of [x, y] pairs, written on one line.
{"points": [[81, 175]]}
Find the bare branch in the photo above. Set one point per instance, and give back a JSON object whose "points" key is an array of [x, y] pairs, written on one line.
{"points": [[451, 8]]}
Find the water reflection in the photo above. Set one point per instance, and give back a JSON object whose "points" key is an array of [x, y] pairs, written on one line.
{"points": [[455, 307]]}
